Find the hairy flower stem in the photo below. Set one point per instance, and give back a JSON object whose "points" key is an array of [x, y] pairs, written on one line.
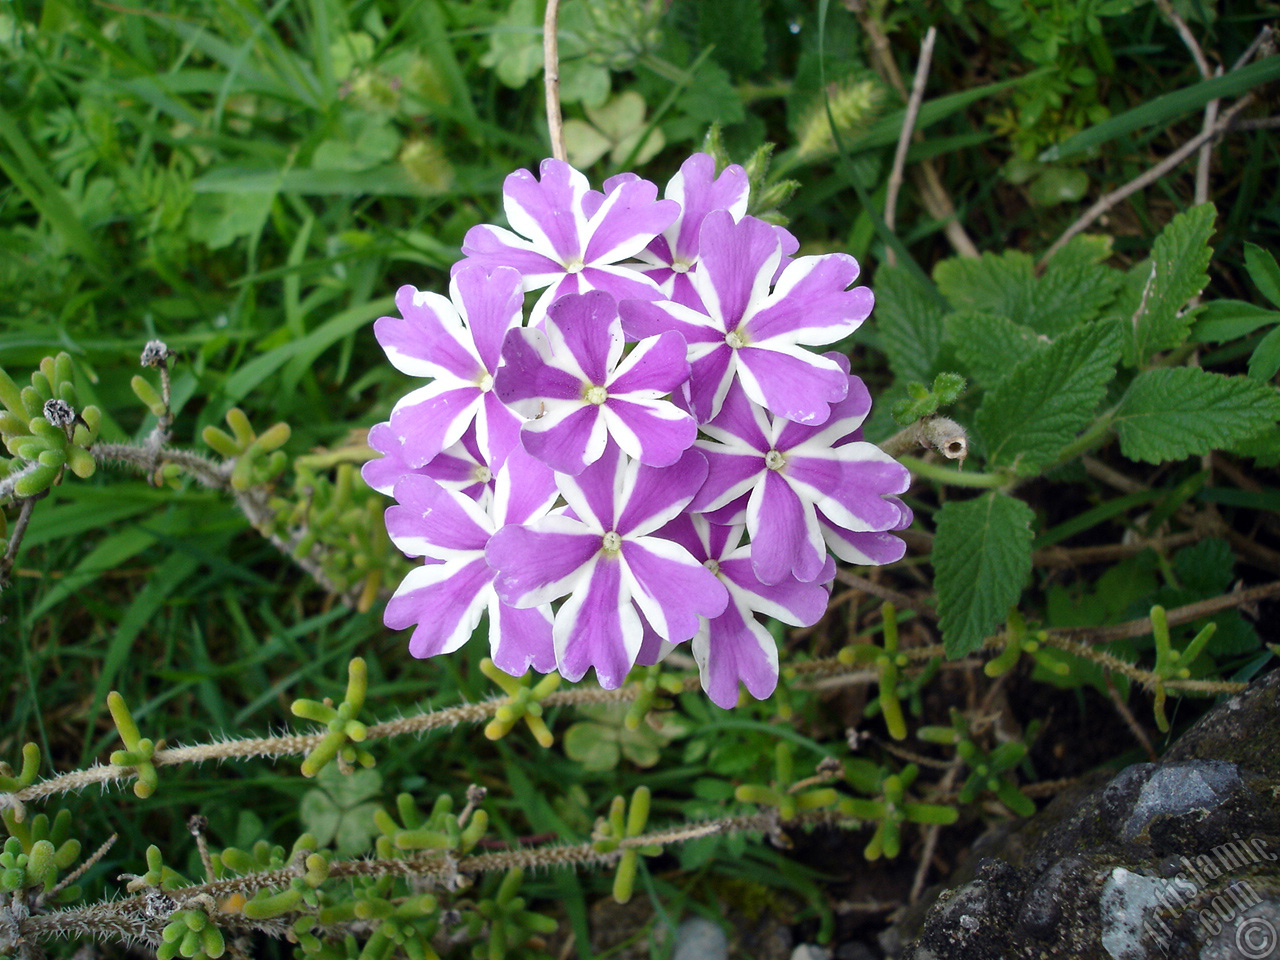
{"points": [[955, 478], [1072, 640], [134, 919], [217, 476]]}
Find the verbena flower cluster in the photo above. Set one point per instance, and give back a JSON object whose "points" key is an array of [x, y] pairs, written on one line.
{"points": [[652, 456]]}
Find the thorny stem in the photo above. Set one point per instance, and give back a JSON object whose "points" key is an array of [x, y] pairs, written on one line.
{"points": [[216, 476], [133, 918], [1072, 640]]}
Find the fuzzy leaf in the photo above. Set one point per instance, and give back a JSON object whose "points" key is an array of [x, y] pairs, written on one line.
{"points": [[1072, 291], [1175, 412], [1265, 360], [1263, 271], [1001, 284], [909, 322], [1047, 398], [1174, 274], [981, 562], [990, 346]]}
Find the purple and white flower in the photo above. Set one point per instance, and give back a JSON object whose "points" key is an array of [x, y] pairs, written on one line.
{"points": [[573, 380], [447, 595], [609, 562], [735, 646], [458, 343], [570, 238], [749, 334], [789, 472], [698, 190]]}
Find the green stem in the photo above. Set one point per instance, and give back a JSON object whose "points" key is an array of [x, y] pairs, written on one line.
{"points": [[955, 478], [1082, 444]]}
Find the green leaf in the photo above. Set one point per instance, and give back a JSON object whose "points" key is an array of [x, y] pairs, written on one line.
{"points": [[1072, 291], [909, 321], [1001, 284], [1263, 271], [1223, 320], [1048, 398], [1175, 274], [736, 29], [1265, 360], [981, 562], [1167, 107], [1175, 412], [991, 346]]}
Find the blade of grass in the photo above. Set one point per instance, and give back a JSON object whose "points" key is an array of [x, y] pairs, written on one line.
{"points": [[1166, 108]]}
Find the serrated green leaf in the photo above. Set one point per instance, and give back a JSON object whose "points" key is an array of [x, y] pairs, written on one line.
{"points": [[981, 562], [1175, 274], [909, 321], [1223, 320], [1071, 292], [1265, 360], [1263, 271], [999, 284], [1047, 398], [1175, 412], [990, 346]]}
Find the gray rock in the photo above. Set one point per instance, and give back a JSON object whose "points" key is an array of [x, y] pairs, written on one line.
{"points": [[1176, 860], [697, 938]]}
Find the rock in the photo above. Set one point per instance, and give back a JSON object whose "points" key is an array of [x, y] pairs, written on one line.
{"points": [[697, 938], [1176, 860]]}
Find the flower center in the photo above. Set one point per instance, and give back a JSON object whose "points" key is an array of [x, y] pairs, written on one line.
{"points": [[679, 266], [595, 394], [482, 473], [774, 460], [734, 339], [485, 383], [574, 266], [713, 565], [611, 542]]}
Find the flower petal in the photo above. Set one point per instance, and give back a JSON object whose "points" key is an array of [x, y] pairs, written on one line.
{"points": [[539, 562], [445, 600], [734, 647], [430, 340], [428, 419], [654, 432], [629, 218], [547, 209], [585, 335], [655, 366], [791, 383], [521, 638], [810, 303], [785, 538], [699, 191], [568, 437], [659, 493], [492, 247], [672, 589], [736, 265], [492, 303], [598, 627], [530, 373], [430, 521]]}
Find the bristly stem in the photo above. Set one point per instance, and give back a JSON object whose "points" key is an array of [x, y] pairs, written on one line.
{"points": [[954, 478], [551, 70]]}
